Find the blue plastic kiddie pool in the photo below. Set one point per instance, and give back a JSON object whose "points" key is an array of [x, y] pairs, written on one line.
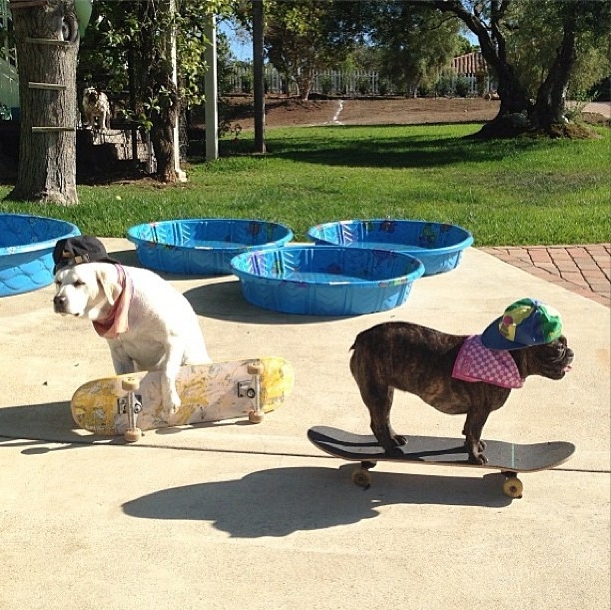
{"points": [[328, 281], [439, 246], [202, 246], [26, 251]]}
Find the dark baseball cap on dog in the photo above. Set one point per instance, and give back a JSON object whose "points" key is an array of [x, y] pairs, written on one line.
{"points": [[82, 249]]}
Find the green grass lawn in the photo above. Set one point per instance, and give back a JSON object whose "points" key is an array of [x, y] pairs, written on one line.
{"points": [[506, 192]]}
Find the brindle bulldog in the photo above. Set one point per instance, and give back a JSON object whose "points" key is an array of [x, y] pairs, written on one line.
{"points": [[427, 362]]}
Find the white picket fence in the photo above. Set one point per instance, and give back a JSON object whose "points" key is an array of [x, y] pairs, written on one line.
{"points": [[345, 83]]}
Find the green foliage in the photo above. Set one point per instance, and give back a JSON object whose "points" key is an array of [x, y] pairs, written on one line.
{"points": [[444, 86], [533, 31], [462, 86], [326, 85], [414, 43], [136, 34], [303, 37]]}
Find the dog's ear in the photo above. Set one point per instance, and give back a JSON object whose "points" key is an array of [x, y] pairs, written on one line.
{"points": [[108, 285]]}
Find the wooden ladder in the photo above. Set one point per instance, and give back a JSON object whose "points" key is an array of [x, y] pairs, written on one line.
{"points": [[18, 4]]}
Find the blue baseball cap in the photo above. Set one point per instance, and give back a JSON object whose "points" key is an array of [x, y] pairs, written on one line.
{"points": [[525, 322]]}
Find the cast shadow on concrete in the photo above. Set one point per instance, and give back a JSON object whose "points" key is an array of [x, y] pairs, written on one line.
{"points": [[33, 425], [224, 300], [280, 501]]}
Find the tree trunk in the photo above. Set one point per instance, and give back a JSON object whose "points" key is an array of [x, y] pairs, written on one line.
{"points": [[157, 83], [258, 40], [305, 80], [163, 120], [515, 104], [517, 113], [47, 42], [515, 107], [551, 97]]}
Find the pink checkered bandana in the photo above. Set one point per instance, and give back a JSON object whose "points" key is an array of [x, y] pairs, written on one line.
{"points": [[478, 363]]}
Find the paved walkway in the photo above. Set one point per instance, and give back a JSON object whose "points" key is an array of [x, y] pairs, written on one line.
{"points": [[232, 515], [585, 269]]}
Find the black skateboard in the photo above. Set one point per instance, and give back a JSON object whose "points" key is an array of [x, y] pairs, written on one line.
{"points": [[509, 458]]}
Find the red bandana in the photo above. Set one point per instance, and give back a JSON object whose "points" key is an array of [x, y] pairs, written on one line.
{"points": [[478, 363], [116, 322]]}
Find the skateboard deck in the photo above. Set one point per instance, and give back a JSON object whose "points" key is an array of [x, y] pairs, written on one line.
{"points": [[209, 392], [509, 458]]}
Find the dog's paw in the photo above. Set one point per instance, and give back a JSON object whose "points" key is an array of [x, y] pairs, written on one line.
{"points": [[476, 452], [173, 405], [393, 451], [400, 440], [478, 458]]}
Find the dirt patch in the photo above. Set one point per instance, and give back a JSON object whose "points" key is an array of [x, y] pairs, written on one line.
{"points": [[281, 111], [286, 112]]}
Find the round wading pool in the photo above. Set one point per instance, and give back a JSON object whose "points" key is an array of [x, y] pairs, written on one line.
{"points": [[203, 246], [326, 281], [26, 251], [439, 246]]}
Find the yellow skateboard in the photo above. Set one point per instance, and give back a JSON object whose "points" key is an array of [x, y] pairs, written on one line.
{"points": [[129, 404]]}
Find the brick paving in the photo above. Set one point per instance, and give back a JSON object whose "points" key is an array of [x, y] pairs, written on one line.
{"points": [[583, 269]]}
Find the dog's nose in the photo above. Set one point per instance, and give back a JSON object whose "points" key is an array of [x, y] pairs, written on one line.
{"points": [[59, 302]]}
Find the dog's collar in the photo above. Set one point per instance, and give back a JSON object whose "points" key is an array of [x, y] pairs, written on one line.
{"points": [[117, 321], [475, 362]]}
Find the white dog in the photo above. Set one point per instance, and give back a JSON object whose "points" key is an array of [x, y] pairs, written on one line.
{"points": [[148, 324], [96, 108]]}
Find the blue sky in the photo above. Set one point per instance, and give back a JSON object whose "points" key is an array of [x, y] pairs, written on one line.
{"points": [[241, 44]]}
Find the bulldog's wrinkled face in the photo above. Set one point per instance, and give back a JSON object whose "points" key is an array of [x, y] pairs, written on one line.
{"points": [[90, 95], [551, 360], [86, 290]]}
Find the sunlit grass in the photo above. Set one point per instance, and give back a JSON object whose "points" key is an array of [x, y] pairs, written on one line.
{"points": [[506, 192]]}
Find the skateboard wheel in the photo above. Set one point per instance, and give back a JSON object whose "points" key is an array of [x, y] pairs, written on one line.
{"points": [[132, 435], [255, 368], [513, 487], [130, 384], [255, 418], [361, 477]]}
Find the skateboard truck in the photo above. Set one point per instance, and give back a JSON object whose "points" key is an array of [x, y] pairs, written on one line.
{"points": [[253, 391], [512, 486], [133, 407]]}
